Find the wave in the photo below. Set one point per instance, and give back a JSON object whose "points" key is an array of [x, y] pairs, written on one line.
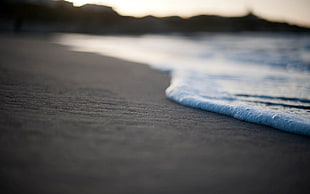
{"points": [[263, 79], [180, 93]]}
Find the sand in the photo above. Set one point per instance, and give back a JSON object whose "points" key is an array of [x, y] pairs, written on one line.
{"points": [[74, 122]]}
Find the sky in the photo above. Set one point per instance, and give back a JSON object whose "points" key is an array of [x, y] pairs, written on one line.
{"points": [[291, 11]]}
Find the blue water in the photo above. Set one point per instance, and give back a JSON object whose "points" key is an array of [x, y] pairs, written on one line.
{"points": [[262, 78]]}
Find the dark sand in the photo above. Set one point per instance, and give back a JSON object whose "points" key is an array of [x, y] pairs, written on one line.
{"points": [[75, 122]]}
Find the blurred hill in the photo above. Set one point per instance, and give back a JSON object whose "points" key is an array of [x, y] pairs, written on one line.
{"points": [[62, 16]]}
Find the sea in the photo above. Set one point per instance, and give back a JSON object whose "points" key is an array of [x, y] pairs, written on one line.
{"points": [[262, 78]]}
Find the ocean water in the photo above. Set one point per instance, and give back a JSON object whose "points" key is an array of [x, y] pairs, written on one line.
{"points": [[262, 78]]}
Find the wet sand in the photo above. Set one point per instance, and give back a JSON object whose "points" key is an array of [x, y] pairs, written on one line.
{"points": [[74, 122]]}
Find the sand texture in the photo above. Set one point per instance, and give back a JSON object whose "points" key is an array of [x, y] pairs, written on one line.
{"points": [[80, 123]]}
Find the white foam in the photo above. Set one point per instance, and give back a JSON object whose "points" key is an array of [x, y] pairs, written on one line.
{"points": [[182, 89]]}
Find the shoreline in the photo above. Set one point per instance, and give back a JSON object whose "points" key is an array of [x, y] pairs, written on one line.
{"points": [[75, 122], [268, 113]]}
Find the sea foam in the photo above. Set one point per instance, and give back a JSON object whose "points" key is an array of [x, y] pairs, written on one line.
{"points": [[181, 90], [258, 78]]}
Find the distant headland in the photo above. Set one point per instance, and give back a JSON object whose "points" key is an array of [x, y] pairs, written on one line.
{"points": [[62, 16]]}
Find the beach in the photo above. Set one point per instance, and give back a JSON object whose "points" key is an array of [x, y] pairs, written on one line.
{"points": [[78, 122]]}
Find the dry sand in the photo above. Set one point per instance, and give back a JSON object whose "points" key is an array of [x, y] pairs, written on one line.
{"points": [[75, 122]]}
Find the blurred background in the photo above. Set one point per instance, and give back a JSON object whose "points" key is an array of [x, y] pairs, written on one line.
{"points": [[139, 17]]}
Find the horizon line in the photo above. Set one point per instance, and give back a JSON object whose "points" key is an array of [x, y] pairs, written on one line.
{"points": [[186, 16]]}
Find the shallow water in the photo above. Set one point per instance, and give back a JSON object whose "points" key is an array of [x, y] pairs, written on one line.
{"points": [[257, 77]]}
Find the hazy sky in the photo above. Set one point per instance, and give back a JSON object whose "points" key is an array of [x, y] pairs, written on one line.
{"points": [[292, 11]]}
